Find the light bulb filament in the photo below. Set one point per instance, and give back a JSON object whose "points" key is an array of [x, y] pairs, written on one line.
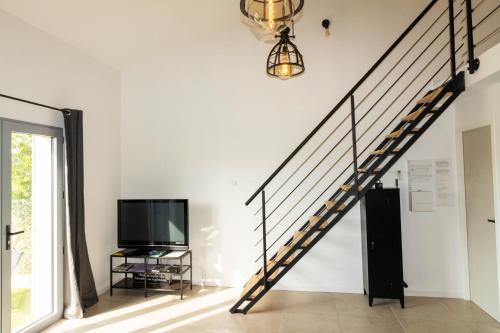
{"points": [[271, 14]]}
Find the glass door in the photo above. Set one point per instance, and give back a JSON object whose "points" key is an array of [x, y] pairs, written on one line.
{"points": [[32, 214]]}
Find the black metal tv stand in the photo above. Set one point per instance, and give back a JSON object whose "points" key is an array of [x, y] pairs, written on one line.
{"points": [[152, 272]]}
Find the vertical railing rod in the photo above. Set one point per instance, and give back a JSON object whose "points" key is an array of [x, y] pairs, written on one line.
{"points": [[453, 62], [473, 62], [264, 237], [354, 145]]}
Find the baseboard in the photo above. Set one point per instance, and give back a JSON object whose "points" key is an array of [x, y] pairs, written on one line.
{"points": [[341, 290]]}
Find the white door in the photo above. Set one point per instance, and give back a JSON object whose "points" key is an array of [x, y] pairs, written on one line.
{"points": [[31, 213], [480, 214]]}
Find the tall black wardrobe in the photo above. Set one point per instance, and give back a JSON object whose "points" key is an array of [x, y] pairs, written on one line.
{"points": [[381, 241]]}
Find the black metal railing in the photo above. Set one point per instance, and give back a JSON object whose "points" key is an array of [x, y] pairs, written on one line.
{"points": [[360, 128], [486, 14]]}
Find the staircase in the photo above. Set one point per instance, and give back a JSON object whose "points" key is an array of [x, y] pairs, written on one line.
{"points": [[364, 169]]}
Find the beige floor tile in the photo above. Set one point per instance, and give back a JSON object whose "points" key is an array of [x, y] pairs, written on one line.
{"points": [[299, 322], [423, 308], [272, 301], [366, 324], [466, 310], [433, 326], [207, 324], [483, 327], [356, 304], [309, 302], [253, 323]]}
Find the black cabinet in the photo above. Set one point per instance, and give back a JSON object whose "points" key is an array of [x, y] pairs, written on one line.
{"points": [[381, 238]]}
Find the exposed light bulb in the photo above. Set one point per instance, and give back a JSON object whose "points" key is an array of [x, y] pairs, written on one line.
{"points": [[285, 69], [269, 15]]}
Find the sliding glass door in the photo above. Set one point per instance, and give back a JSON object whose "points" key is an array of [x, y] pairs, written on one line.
{"points": [[32, 215]]}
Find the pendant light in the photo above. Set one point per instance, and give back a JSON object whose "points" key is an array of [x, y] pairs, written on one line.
{"points": [[285, 60], [271, 14]]}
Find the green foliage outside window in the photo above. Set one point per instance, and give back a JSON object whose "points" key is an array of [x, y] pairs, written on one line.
{"points": [[21, 166], [21, 155]]}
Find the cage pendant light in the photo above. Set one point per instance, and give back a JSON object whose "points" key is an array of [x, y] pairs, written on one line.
{"points": [[285, 60], [270, 15]]}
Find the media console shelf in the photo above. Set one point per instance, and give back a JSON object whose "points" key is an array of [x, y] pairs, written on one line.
{"points": [[150, 271]]}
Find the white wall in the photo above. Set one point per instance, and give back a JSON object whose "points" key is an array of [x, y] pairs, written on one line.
{"points": [[477, 107], [37, 67], [203, 121]]}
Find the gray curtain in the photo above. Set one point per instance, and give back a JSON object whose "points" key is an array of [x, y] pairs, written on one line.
{"points": [[73, 127]]}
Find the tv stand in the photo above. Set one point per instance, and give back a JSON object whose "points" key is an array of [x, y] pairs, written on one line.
{"points": [[147, 271]]}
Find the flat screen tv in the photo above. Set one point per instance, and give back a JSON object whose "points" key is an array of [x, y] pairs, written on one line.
{"points": [[153, 224]]}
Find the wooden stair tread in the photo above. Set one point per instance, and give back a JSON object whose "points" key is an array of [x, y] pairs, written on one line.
{"points": [[313, 220], [430, 96], [395, 134], [297, 236], [412, 116], [382, 151], [347, 188], [284, 249], [254, 279], [365, 170], [270, 265], [399, 132], [332, 203]]}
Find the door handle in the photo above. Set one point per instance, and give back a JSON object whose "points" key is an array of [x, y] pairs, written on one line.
{"points": [[491, 220], [9, 234]]}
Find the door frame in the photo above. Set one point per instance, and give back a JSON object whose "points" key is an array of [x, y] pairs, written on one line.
{"points": [[462, 202], [58, 209]]}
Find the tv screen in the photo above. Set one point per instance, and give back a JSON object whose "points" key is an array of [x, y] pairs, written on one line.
{"points": [[152, 223]]}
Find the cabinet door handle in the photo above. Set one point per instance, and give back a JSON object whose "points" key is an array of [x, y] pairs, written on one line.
{"points": [[491, 220]]}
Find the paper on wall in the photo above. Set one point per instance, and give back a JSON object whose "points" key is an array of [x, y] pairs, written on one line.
{"points": [[444, 191], [420, 175], [421, 185]]}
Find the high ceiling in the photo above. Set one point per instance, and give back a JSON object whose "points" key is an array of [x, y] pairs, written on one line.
{"points": [[121, 32]]}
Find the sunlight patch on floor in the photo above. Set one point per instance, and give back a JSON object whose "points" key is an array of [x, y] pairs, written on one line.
{"points": [[161, 314]]}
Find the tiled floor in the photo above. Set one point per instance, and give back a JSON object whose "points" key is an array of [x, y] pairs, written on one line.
{"points": [[205, 310]]}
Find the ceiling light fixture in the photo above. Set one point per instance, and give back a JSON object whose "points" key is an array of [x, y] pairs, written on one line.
{"points": [[271, 15], [285, 60]]}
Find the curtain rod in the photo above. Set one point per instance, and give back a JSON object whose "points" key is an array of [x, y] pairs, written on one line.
{"points": [[32, 103]]}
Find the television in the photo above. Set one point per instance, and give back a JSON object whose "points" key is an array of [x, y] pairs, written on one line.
{"points": [[153, 224]]}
